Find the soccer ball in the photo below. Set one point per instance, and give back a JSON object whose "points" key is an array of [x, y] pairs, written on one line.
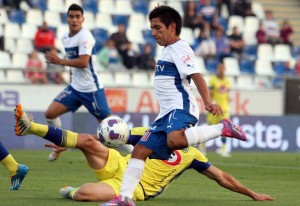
{"points": [[113, 132]]}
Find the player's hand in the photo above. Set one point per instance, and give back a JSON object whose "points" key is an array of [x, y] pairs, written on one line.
{"points": [[55, 147], [262, 197], [52, 58], [214, 109]]}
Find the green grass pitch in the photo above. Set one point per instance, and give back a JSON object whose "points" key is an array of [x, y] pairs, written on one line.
{"points": [[276, 174]]}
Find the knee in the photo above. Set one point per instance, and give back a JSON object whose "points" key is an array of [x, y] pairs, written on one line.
{"points": [[86, 141], [177, 141], [49, 115]]}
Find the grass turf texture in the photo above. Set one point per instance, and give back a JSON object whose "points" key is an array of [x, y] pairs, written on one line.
{"points": [[276, 174]]}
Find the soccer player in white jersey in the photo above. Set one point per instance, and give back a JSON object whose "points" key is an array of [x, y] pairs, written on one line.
{"points": [[109, 166], [171, 130], [85, 87]]}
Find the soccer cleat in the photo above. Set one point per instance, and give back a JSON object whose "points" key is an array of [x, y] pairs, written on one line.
{"points": [[233, 130], [18, 178], [65, 192], [23, 121], [119, 201]]}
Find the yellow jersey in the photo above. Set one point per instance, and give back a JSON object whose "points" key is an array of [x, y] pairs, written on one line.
{"points": [[220, 91]]}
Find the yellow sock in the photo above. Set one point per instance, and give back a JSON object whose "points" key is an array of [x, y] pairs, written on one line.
{"points": [[72, 193], [223, 149], [38, 129], [69, 139], [10, 163]]}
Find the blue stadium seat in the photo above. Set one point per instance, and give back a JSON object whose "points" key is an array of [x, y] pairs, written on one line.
{"points": [[247, 66], [40, 4], [17, 16], [296, 52], [147, 34], [223, 22], [140, 6], [63, 17], [250, 50], [90, 5], [120, 19], [101, 36], [211, 65]]}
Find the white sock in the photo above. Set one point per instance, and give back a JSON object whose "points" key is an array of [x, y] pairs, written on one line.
{"points": [[54, 122], [132, 176], [200, 134]]}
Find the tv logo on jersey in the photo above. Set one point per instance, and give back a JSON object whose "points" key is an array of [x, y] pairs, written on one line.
{"points": [[174, 159]]}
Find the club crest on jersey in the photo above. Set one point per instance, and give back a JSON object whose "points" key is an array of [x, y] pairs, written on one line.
{"points": [[185, 59], [174, 159], [145, 136]]}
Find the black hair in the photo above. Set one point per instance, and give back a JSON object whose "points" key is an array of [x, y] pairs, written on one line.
{"points": [[167, 15], [75, 7]]}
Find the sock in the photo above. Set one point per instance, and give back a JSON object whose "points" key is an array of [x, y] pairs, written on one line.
{"points": [[54, 122], [201, 134], [8, 161], [58, 136], [72, 193], [132, 176]]}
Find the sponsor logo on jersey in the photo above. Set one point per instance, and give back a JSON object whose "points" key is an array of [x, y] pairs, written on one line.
{"points": [[174, 159]]}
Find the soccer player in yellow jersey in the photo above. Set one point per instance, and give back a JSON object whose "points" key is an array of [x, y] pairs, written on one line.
{"points": [[219, 86], [109, 165], [17, 172]]}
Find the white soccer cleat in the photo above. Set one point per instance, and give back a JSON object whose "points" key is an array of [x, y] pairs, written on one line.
{"points": [[65, 191], [23, 121]]}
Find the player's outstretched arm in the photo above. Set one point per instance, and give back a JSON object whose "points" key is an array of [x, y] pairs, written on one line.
{"points": [[81, 62], [226, 180]]}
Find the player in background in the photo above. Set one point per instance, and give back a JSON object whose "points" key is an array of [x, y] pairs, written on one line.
{"points": [[17, 172], [85, 87], [219, 86], [175, 68], [109, 165]]}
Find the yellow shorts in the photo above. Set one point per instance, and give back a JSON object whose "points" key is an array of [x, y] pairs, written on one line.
{"points": [[112, 173], [213, 119]]}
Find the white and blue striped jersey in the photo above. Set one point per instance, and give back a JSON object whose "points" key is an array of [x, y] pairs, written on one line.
{"points": [[83, 80], [172, 79]]}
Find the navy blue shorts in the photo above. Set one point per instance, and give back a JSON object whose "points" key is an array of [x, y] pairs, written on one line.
{"points": [[156, 137], [95, 102]]}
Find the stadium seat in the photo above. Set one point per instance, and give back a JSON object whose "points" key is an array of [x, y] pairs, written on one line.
{"points": [[282, 52], [17, 16], [237, 21], [232, 66], [59, 45], [147, 34], [135, 35], [262, 82], [104, 20], [2, 76], [137, 20], [63, 17], [264, 68], [250, 50], [101, 36], [224, 23], [12, 30], [176, 5], [123, 78], [141, 79], [52, 18], [10, 44], [201, 64], [247, 66], [90, 5], [15, 76], [40, 4], [251, 23], [187, 35], [120, 19], [89, 20], [106, 6], [258, 10], [107, 78], [61, 30], [245, 82], [28, 31], [5, 60], [265, 52], [123, 8], [140, 6], [4, 17], [19, 60], [211, 65], [54, 5], [69, 2], [35, 17], [24, 46]]}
